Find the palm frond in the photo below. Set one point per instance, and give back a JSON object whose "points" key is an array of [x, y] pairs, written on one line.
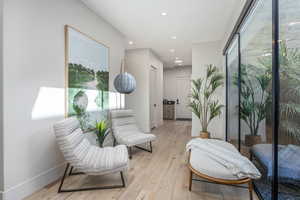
{"points": [[291, 129], [211, 69], [289, 110], [215, 109], [290, 88], [195, 108]]}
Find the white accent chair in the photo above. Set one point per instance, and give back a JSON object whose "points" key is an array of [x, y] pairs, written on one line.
{"points": [[86, 158], [126, 131]]}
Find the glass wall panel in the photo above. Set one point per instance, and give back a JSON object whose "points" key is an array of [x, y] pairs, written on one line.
{"points": [[289, 130], [256, 92], [256, 95], [232, 89]]}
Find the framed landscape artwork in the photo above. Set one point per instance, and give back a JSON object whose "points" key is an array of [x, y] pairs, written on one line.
{"points": [[87, 78]]}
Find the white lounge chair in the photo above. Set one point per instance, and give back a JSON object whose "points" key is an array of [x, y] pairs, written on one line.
{"points": [[86, 158], [126, 131]]}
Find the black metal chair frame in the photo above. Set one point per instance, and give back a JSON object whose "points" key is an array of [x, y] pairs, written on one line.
{"points": [[71, 173], [138, 147], [141, 148]]}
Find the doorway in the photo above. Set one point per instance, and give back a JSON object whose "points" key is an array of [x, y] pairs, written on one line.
{"points": [[153, 97], [183, 88]]}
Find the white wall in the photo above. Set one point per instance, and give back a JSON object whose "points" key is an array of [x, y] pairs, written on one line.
{"points": [[170, 75], [1, 102], [202, 55], [211, 53], [138, 63], [170, 85], [158, 64], [34, 58]]}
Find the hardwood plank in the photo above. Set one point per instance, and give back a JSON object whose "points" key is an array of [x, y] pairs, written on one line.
{"points": [[162, 175]]}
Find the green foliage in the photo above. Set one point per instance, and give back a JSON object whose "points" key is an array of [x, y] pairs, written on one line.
{"points": [[102, 79], [101, 132], [256, 91], [79, 75], [80, 80], [78, 108], [254, 95], [202, 103], [289, 88], [102, 85]]}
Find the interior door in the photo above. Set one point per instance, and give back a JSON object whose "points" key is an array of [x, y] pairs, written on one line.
{"points": [[183, 88], [153, 97]]}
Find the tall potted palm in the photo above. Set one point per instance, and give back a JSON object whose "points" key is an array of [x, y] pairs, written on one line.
{"points": [[202, 104], [289, 91], [254, 93]]}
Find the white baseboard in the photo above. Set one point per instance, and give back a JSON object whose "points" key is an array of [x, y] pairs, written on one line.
{"points": [[34, 184]]}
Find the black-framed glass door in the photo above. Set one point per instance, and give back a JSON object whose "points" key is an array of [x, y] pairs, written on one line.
{"points": [[265, 100], [232, 90], [288, 149]]}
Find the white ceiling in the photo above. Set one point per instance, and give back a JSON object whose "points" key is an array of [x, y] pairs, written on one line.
{"points": [[191, 21]]}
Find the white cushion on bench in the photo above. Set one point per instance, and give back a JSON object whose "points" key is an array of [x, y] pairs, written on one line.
{"points": [[205, 165]]}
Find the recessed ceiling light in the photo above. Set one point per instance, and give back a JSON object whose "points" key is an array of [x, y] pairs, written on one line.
{"points": [[176, 58], [130, 42], [172, 50], [178, 61], [293, 23], [267, 54], [173, 37], [163, 14]]}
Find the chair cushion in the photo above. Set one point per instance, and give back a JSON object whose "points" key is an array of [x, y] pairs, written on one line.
{"points": [[263, 152], [128, 127], [121, 113], [70, 141], [106, 160], [75, 156], [66, 126], [288, 161], [125, 129], [122, 121], [85, 157], [205, 165], [131, 138]]}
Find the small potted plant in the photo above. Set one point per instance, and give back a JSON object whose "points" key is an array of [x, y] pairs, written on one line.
{"points": [[202, 103], [101, 132]]}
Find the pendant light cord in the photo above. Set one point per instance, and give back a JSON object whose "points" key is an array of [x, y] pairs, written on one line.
{"points": [[122, 70]]}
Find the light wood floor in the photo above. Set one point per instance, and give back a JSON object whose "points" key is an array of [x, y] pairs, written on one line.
{"points": [[162, 175]]}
